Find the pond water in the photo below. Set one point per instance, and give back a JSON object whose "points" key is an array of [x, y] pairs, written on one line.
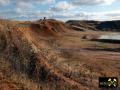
{"points": [[111, 37]]}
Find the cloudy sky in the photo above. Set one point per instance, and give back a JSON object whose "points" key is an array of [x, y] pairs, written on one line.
{"points": [[60, 9]]}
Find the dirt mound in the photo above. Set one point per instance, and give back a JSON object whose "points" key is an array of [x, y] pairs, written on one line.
{"points": [[21, 46], [49, 27]]}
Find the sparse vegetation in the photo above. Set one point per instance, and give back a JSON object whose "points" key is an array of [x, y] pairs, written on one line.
{"points": [[46, 55]]}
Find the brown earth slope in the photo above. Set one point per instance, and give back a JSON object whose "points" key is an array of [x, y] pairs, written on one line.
{"points": [[22, 46], [46, 55]]}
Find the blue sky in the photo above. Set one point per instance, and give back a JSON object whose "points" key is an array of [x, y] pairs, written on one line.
{"points": [[60, 9]]}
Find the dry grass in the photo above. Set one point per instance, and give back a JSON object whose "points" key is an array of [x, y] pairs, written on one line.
{"points": [[60, 57]]}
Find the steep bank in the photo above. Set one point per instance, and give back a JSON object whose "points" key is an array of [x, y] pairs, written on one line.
{"points": [[22, 44]]}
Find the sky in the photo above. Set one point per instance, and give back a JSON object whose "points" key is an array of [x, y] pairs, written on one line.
{"points": [[101, 10]]}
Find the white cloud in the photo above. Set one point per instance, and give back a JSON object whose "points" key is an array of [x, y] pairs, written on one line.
{"points": [[4, 2], [92, 2], [46, 1], [32, 16], [26, 7], [81, 15], [62, 6], [102, 16], [64, 10], [38, 1], [22, 7], [112, 15]]}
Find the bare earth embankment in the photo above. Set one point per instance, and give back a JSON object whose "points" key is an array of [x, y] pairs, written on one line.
{"points": [[51, 55]]}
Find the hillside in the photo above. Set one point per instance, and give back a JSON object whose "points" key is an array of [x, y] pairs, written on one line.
{"points": [[96, 25], [47, 55]]}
